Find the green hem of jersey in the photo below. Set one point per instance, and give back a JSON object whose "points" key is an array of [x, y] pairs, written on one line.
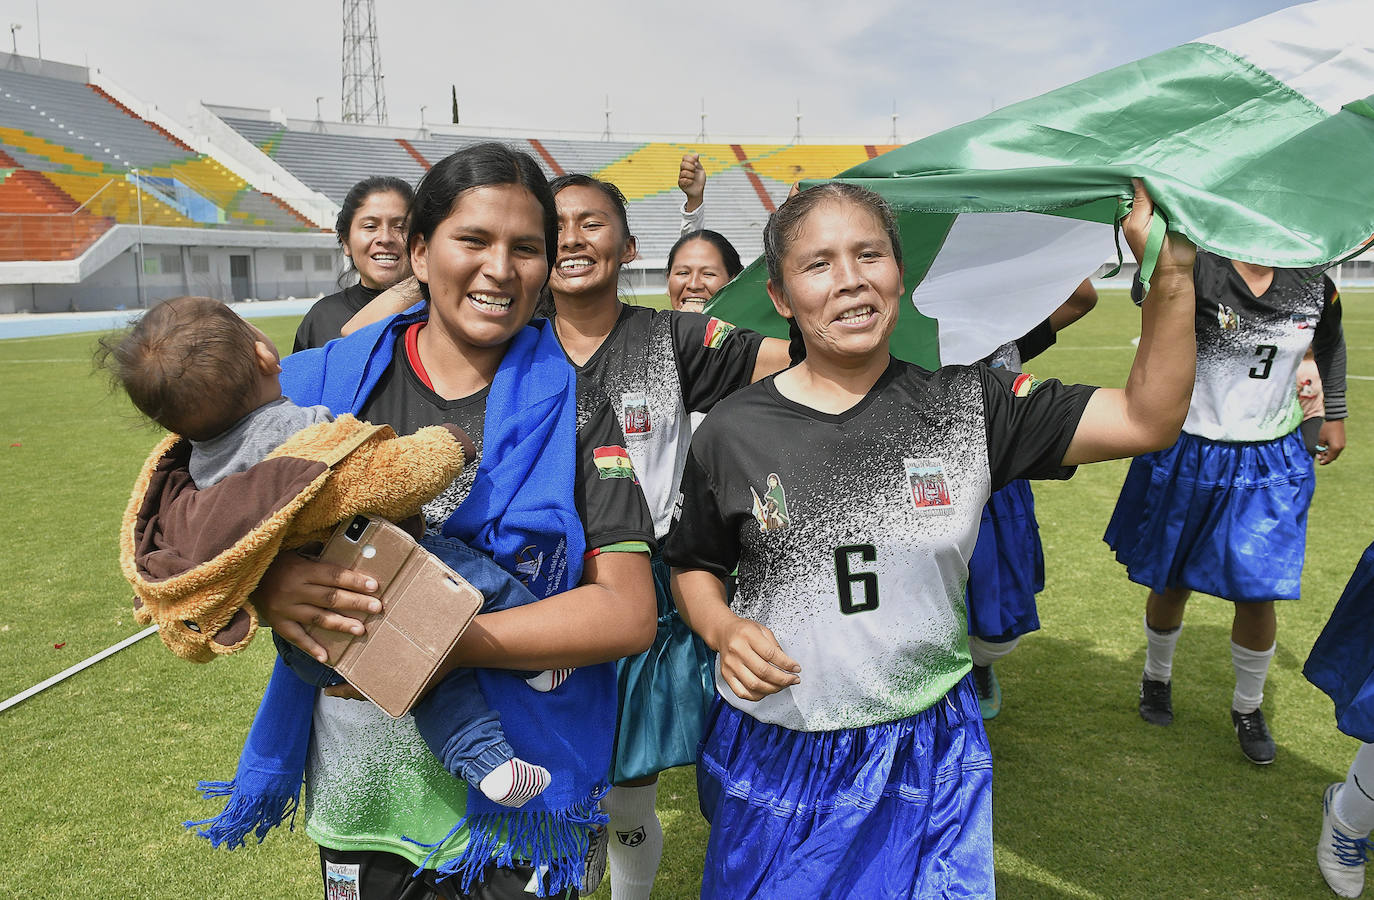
{"points": [[625, 547], [384, 845]]}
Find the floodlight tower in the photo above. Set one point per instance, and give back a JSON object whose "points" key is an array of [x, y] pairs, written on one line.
{"points": [[364, 93]]}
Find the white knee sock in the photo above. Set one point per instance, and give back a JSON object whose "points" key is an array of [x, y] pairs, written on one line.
{"points": [[636, 840], [1159, 652], [985, 653], [1252, 667], [1355, 801]]}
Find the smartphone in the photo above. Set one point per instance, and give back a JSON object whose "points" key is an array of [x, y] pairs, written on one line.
{"points": [[426, 606]]}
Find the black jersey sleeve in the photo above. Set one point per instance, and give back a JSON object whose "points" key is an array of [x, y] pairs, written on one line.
{"points": [[1036, 341], [1328, 348], [606, 490], [701, 538], [1029, 424], [714, 358]]}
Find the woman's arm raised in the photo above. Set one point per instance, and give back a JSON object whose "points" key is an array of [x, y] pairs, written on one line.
{"points": [[1148, 413]]}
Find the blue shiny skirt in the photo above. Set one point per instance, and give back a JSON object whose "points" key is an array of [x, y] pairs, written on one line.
{"points": [[1007, 568], [1226, 519], [1342, 660], [896, 810]]}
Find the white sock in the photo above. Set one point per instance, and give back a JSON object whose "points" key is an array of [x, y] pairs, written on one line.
{"points": [[547, 681], [636, 844], [985, 653], [1252, 667], [1159, 652], [515, 782], [1354, 804]]}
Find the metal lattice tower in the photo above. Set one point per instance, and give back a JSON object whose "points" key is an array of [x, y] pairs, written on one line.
{"points": [[364, 90]]}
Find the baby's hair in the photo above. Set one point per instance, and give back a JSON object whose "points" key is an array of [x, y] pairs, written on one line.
{"points": [[188, 364]]}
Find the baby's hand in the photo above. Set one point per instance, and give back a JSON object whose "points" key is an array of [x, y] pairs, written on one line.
{"points": [[752, 662]]}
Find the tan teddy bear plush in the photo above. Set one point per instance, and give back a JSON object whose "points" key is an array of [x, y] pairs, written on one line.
{"points": [[193, 557]]}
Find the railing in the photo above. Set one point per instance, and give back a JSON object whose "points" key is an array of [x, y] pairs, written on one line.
{"points": [[48, 236]]}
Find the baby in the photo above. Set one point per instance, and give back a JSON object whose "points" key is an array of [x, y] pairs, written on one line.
{"points": [[197, 369]]}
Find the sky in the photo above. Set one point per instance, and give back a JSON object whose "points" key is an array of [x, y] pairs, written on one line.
{"points": [[531, 64]]}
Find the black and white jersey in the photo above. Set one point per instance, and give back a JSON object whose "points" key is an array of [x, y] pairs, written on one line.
{"points": [[606, 496], [1249, 348], [656, 367], [852, 532]]}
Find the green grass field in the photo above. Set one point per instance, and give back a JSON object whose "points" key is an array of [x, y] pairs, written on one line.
{"points": [[1090, 802]]}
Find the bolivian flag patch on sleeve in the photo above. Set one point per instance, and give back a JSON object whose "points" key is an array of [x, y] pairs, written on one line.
{"points": [[1024, 385], [613, 462], [716, 330]]}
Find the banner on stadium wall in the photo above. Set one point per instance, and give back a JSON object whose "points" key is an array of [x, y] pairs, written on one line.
{"points": [[1256, 142]]}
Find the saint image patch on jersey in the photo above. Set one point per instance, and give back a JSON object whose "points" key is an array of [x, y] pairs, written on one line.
{"points": [[1227, 318], [930, 490], [635, 408], [613, 462], [770, 510], [716, 331]]}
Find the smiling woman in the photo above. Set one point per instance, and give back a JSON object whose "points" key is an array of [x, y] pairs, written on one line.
{"points": [[848, 492], [481, 242], [371, 229]]}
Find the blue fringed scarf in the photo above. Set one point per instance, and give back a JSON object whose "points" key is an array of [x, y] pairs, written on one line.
{"points": [[521, 498]]}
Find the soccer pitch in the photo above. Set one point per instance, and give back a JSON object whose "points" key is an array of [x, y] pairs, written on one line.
{"points": [[1090, 802]]}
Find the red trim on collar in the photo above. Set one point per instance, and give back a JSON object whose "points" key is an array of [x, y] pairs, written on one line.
{"points": [[413, 353]]}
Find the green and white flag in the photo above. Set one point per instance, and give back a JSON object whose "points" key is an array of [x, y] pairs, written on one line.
{"points": [[1256, 142]]}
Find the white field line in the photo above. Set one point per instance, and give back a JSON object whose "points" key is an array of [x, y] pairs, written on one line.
{"points": [[54, 360], [69, 672]]}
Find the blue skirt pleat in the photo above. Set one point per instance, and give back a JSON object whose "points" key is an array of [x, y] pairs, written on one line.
{"points": [[896, 810], [1007, 568], [1342, 660], [1226, 519]]}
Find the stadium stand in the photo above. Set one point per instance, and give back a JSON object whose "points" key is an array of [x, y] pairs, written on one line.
{"points": [[745, 182], [78, 163]]}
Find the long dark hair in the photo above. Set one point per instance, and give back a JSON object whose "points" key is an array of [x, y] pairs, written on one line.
{"points": [[356, 197], [728, 254], [480, 165]]}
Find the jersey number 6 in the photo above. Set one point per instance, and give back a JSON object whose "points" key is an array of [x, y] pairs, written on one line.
{"points": [[845, 580]]}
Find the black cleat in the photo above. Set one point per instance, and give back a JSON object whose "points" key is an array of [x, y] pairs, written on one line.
{"points": [[1254, 738], [1156, 701]]}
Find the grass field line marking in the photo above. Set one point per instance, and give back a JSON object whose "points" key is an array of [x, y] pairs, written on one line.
{"points": [[1361, 377], [54, 360], [69, 672], [1028, 869]]}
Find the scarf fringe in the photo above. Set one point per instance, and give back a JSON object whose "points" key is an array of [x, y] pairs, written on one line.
{"points": [[554, 842], [245, 813]]}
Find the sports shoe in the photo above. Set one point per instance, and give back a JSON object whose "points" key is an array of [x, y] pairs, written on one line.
{"points": [[1253, 734], [597, 845], [1156, 701], [989, 691], [1341, 854]]}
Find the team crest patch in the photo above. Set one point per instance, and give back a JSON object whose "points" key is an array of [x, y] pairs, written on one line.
{"points": [[1024, 385], [631, 838], [930, 488], [1304, 320], [636, 414], [613, 462], [1227, 318], [716, 331], [770, 510], [341, 881]]}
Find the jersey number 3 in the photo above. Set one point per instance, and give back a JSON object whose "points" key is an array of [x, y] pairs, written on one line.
{"points": [[848, 582], [1266, 354]]}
